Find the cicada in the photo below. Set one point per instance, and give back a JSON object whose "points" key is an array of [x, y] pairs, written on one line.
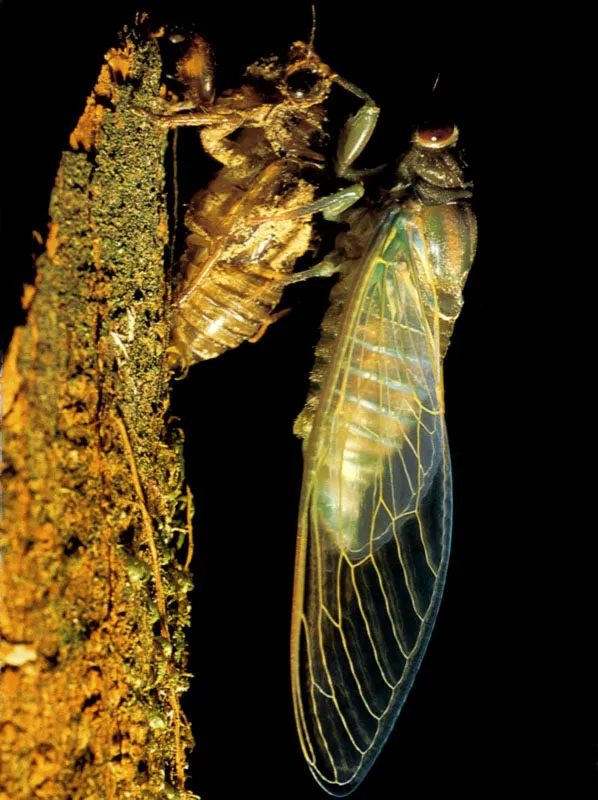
{"points": [[376, 506], [244, 235]]}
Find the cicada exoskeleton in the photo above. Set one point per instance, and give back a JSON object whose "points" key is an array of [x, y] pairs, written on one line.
{"points": [[245, 234]]}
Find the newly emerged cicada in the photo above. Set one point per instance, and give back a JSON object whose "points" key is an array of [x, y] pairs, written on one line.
{"points": [[244, 235], [376, 506]]}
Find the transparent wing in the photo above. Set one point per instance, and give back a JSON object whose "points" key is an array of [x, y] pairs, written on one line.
{"points": [[375, 520]]}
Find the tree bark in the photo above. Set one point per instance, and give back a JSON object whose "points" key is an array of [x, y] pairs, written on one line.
{"points": [[95, 513]]}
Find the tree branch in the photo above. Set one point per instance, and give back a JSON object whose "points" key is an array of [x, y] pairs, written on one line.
{"points": [[93, 596]]}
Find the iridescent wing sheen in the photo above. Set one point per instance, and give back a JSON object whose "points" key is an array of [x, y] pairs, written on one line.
{"points": [[375, 519]]}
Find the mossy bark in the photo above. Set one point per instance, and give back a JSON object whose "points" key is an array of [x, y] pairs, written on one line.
{"points": [[95, 513]]}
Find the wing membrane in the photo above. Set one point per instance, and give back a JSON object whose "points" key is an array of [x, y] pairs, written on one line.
{"points": [[375, 519]]}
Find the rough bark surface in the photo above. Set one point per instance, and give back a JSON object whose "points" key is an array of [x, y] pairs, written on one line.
{"points": [[95, 514]]}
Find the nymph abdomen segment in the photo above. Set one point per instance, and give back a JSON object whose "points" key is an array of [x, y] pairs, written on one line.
{"points": [[237, 252], [219, 316]]}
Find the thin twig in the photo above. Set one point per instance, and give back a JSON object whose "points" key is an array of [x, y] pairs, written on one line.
{"points": [[147, 524], [189, 528]]}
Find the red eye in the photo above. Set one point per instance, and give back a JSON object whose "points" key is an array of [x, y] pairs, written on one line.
{"points": [[436, 138]]}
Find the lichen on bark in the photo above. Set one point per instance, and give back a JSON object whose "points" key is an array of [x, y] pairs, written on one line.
{"points": [[95, 513]]}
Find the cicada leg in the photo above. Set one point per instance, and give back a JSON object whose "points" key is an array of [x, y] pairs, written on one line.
{"points": [[266, 324], [335, 205], [331, 206], [220, 123], [355, 134], [217, 123], [192, 119], [329, 265], [216, 143]]}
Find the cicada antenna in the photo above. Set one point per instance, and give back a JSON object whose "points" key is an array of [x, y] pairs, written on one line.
{"points": [[312, 36]]}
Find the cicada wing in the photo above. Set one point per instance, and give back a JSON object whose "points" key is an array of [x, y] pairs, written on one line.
{"points": [[375, 520]]}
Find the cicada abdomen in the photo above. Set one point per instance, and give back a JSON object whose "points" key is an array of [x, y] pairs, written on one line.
{"points": [[376, 508], [231, 268]]}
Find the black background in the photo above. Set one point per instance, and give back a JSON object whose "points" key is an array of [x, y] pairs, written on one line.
{"points": [[482, 716]]}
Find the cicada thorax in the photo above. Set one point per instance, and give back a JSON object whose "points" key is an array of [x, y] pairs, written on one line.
{"points": [[448, 236]]}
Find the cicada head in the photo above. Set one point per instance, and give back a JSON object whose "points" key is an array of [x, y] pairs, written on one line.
{"points": [[306, 80], [432, 168], [297, 88]]}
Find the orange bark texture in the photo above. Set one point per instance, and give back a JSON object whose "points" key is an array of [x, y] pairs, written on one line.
{"points": [[93, 579]]}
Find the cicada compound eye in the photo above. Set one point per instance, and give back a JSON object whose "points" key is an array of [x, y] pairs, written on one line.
{"points": [[436, 138], [305, 85]]}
